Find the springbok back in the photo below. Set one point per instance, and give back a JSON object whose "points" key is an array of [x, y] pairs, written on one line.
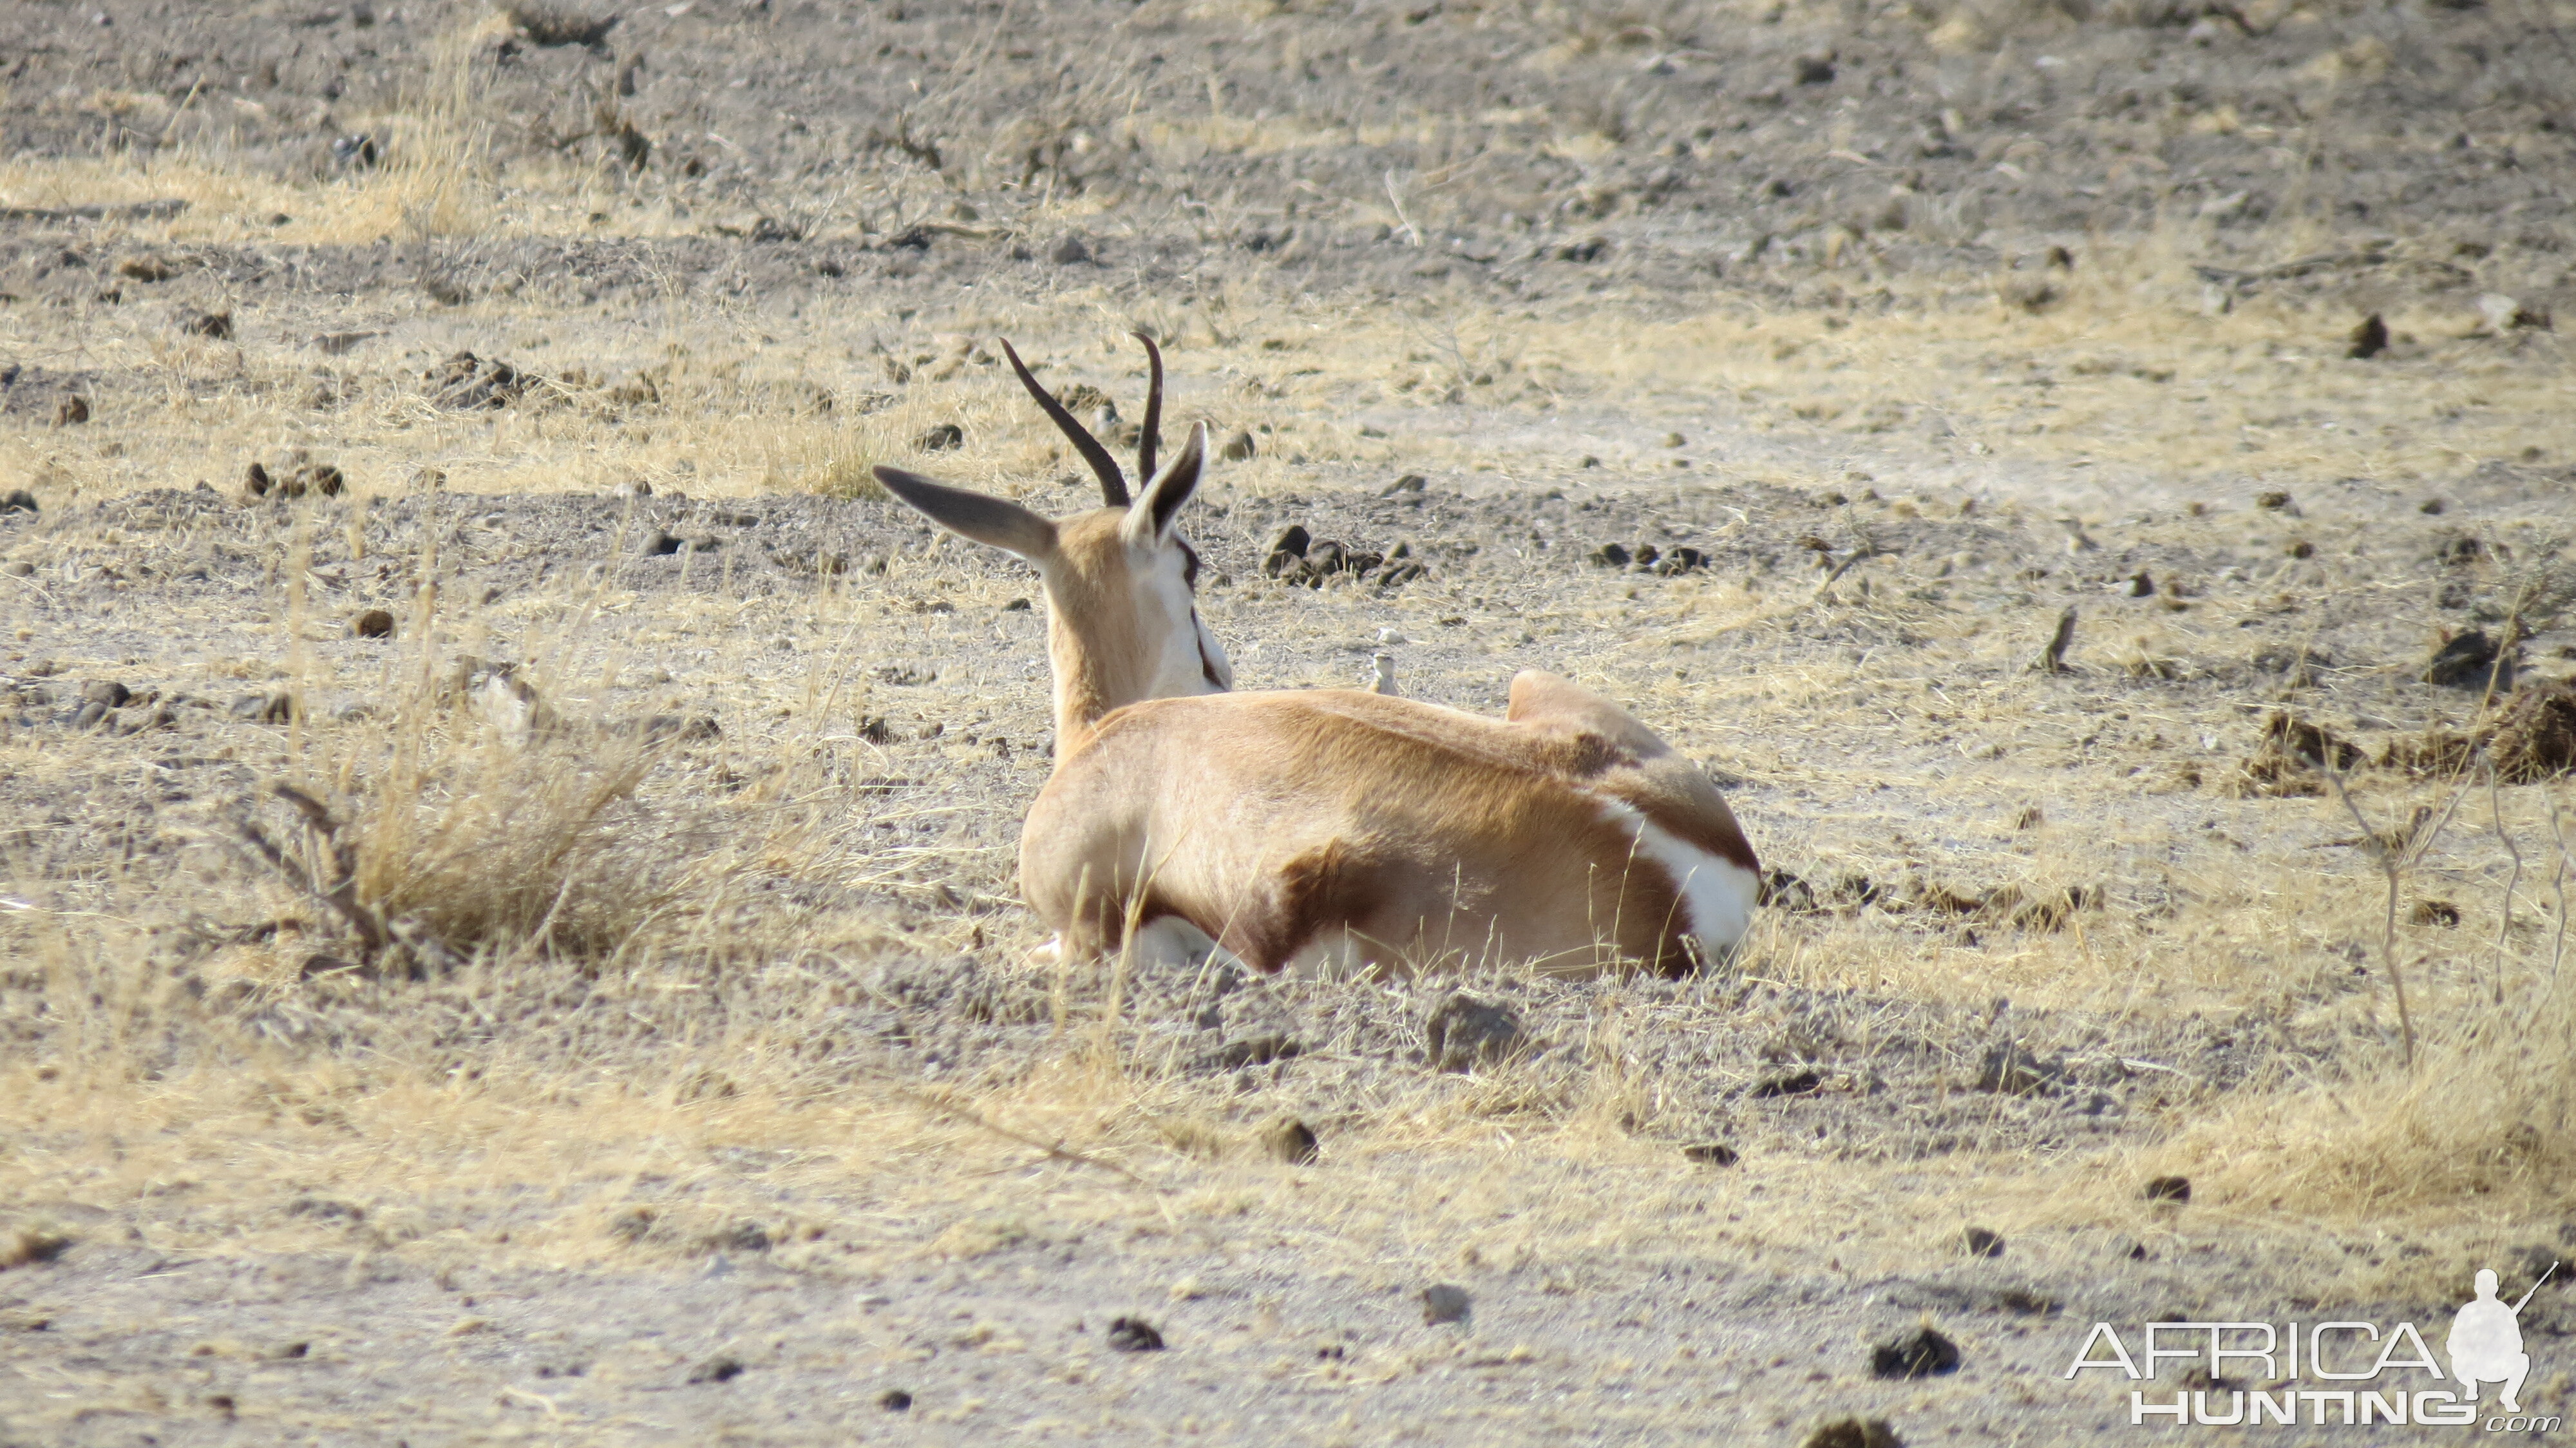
{"points": [[1325, 827]]}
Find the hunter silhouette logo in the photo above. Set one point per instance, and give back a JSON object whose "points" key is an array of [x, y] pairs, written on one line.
{"points": [[2331, 1374], [2486, 1341]]}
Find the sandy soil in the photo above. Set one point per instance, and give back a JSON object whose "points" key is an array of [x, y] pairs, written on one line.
{"points": [[709, 1092]]}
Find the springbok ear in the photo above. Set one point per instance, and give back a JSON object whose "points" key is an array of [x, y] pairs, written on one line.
{"points": [[1149, 520], [1003, 525]]}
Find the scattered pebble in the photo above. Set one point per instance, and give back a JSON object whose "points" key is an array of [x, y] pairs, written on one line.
{"points": [[1445, 1303]]}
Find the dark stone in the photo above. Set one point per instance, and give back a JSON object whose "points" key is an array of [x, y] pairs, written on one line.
{"points": [[895, 1400], [1465, 1033], [2465, 662], [1981, 1242], [1291, 1141], [1796, 1083], [1815, 69], [1133, 1334], [1919, 1354], [718, 1369], [1445, 1303], [1854, 1433]]}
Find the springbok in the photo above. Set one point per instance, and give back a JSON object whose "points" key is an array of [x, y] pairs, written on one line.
{"points": [[1327, 828]]}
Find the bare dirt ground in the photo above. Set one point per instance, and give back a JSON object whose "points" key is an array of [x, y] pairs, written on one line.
{"points": [[634, 1039]]}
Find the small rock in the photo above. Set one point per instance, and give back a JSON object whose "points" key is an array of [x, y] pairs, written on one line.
{"points": [[2168, 1189], [1069, 250], [1445, 1303], [1237, 448], [2435, 912], [18, 500], [2369, 339], [1796, 1083], [1673, 439], [2466, 661], [2011, 1070], [1815, 69], [106, 692], [1981, 1242], [1465, 1033], [943, 438], [895, 1400], [1919, 1354], [1287, 551], [1290, 1140], [467, 383], [1712, 1153], [1133, 1334], [718, 1369], [2503, 314], [375, 623], [1854, 1433], [264, 708], [27, 1246]]}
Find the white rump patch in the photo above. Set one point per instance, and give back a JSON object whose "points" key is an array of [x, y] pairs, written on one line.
{"points": [[1717, 894]]}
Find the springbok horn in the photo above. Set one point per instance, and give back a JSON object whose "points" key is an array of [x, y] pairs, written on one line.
{"points": [[1113, 488], [1153, 430]]}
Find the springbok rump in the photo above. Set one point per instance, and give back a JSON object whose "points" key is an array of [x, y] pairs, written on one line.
{"points": [[1327, 828]]}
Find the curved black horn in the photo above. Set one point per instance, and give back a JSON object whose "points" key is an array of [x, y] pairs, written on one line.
{"points": [[1152, 432], [1113, 487]]}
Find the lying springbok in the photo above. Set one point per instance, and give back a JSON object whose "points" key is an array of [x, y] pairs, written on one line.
{"points": [[1327, 828]]}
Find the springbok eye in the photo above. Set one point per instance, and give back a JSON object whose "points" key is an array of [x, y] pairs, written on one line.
{"points": [[1189, 565]]}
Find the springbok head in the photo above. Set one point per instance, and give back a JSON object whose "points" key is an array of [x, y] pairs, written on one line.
{"points": [[1121, 582]]}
